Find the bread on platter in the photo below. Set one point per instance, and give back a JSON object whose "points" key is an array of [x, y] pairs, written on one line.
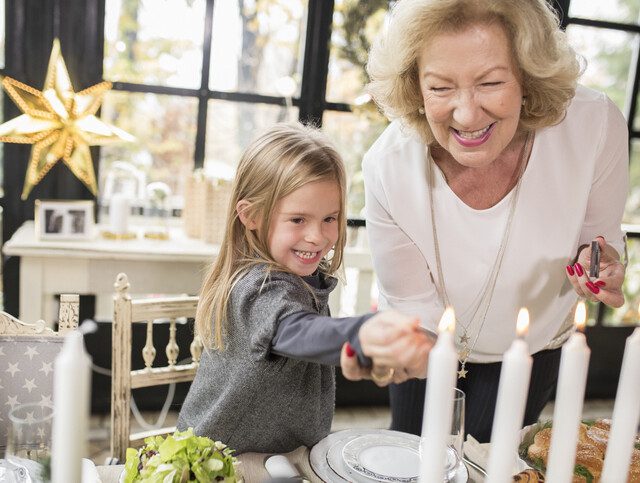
{"points": [[529, 476], [634, 470], [590, 452], [539, 450]]}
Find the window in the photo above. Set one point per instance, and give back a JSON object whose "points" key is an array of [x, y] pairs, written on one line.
{"points": [[194, 96], [195, 80], [354, 122]]}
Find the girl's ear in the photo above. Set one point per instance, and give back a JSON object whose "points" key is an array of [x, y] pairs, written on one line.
{"points": [[241, 208]]}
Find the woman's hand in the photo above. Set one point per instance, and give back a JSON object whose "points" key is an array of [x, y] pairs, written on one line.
{"points": [[607, 288], [353, 371], [398, 348]]}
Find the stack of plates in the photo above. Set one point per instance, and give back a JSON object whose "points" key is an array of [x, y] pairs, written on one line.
{"points": [[366, 455]]}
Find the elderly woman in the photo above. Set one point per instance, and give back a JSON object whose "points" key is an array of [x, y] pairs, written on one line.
{"points": [[485, 191]]}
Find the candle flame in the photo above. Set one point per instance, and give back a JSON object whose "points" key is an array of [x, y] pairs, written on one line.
{"points": [[447, 321], [522, 325], [580, 318]]}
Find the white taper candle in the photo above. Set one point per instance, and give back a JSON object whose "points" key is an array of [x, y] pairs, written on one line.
{"points": [[438, 407], [71, 389], [626, 413], [509, 413], [567, 413]]}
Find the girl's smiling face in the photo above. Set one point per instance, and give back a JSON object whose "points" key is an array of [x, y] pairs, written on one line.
{"points": [[471, 92], [304, 226]]}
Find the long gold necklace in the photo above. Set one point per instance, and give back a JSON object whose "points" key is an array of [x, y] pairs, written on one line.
{"points": [[486, 293]]}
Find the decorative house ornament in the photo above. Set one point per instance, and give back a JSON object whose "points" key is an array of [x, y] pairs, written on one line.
{"points": [[157, 211], [60, 123]]}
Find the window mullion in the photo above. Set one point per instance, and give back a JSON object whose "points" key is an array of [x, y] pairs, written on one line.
{"points": [[632, 106], [203, 95], [316, 61]]}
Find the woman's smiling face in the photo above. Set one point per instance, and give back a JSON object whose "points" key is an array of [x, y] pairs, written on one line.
{"points": [[471, 92]]}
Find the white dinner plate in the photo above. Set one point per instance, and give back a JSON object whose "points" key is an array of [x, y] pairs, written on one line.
{"points": [[337, 464], [327, 462], [383, 457]]}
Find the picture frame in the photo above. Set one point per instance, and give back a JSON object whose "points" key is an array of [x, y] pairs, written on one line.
{"points": [[64, 219]]}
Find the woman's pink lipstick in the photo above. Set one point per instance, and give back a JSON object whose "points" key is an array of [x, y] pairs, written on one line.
{"points": [[472, 143]]}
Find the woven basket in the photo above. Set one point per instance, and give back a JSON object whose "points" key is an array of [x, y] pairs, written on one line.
{"points": [[191, 209], [214, 210], [205, 207]]}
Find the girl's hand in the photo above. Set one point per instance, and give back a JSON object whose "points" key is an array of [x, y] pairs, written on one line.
{"points": [[394, 340], [607, 288]]}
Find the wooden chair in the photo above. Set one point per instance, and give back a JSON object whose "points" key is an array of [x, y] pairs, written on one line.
{"points": [[144, 311], [355, 299], [27, 354]]}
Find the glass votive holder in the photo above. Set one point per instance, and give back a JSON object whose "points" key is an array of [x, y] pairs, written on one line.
{"points": [[28, 454]]}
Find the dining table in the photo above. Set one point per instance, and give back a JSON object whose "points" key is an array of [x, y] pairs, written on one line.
{"points": [[253, 470]]}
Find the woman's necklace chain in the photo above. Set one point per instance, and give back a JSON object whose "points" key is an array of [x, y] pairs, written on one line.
{"points": [[486, 294]]}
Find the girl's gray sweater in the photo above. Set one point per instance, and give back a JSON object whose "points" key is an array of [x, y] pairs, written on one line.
{"points": [[249, 397]]}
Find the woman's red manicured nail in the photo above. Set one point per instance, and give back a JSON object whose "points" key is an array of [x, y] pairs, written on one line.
{"points": [[592, 287], [600, 283], [578, 269], [570, 270], [350, 351]]}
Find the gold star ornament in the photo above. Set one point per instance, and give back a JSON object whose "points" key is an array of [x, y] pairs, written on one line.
{"points": [[60, 123]]}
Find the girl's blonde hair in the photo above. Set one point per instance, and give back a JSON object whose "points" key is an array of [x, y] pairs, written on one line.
{"points": [[548, 66], [283, 159]]}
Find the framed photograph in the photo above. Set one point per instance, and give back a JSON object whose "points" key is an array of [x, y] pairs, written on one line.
{"points": [[64, 219]]}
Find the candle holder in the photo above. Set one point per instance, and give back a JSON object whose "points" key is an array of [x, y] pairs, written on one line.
{"points": [[156, 235], [29, 443], [156, 211], [110, 235]]}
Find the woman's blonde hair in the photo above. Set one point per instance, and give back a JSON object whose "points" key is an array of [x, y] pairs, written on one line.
{"points": [[548, 66], [283, 159]]}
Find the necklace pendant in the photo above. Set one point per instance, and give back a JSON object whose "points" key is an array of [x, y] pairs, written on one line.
{"points": [[464, 353], [464, 339], [462, 373]]}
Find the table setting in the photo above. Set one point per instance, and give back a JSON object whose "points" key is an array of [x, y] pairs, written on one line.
{"points": [[366, 455], [43, 447]]}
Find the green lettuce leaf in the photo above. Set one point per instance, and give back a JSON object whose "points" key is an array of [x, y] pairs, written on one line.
{"points": [[180, 457], [580, 470]]}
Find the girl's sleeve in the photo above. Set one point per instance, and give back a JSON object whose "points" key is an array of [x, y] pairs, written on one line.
{"points": [[278, 316], [318, 338], [404, 278], [610, 184]]}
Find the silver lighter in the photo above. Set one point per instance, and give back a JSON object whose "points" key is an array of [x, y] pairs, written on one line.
{"points": [[594, 270]]}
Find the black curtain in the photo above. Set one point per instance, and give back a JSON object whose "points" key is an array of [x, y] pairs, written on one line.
{"points": [[31, 26]]}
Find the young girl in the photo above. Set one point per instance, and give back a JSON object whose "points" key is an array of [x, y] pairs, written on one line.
{"points": [[268, 384]]}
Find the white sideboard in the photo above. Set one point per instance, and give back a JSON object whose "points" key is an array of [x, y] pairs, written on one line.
{"points": [[48, 268], [174, 266]]}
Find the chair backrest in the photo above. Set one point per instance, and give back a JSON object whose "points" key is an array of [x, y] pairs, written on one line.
{"points": [[357, 293], [144, 311], [27, 354]]}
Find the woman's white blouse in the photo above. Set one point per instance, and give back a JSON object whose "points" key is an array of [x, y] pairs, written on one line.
{"points": [[574, 189]]}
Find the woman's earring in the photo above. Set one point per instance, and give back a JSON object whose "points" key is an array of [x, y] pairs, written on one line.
{"points": [[524, 100], [421, 110]]}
